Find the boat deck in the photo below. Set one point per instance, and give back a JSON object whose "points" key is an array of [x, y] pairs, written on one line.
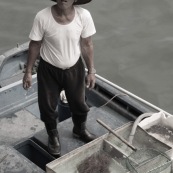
{"points": [[23, 133]]}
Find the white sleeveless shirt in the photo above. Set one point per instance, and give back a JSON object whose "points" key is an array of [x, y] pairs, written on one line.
{"points": [[61, 43]]}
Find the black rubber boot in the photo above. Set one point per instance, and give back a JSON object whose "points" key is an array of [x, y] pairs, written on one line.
{"points": [[54, 146], [83, 134], [80, 131]]}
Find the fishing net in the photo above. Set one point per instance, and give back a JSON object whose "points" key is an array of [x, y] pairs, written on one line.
{"points": [[97, 163], [148, 161]]}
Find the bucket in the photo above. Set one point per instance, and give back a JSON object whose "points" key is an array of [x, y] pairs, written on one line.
{"points": [[63, 111]]}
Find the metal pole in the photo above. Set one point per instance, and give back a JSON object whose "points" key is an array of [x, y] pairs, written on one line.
{"points": [[110, 130]]}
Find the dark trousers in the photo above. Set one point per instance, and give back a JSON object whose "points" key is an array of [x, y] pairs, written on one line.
{"points": [[51, 81]]}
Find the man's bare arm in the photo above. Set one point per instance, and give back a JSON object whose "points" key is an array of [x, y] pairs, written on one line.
{"points": [[34, 51], [88, 56]]}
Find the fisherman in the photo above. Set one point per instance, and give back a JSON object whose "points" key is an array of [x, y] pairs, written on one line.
{"points": [[62, 36]]}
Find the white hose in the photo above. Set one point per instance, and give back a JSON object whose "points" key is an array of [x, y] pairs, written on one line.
{"points": [[137, 121]]}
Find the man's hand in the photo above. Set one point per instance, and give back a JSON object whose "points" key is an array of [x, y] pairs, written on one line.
{"points": [[27, 81], [90, 80]]}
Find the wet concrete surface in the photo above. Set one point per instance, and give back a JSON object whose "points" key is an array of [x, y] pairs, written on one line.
{"points": [[133, 44]]}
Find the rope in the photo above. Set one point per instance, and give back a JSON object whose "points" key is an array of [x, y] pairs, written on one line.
{"points": [[116, 95]]}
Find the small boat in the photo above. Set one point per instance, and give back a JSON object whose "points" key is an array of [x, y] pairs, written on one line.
{"points": [[133, 134]]}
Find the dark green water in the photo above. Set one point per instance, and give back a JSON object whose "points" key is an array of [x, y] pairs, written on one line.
{"points": [[133, 44]]}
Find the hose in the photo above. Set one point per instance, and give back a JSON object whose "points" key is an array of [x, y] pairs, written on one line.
{"points": [[137, 121]]}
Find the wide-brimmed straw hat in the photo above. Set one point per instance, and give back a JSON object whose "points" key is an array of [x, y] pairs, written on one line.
{"points": [[79, 2]]}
